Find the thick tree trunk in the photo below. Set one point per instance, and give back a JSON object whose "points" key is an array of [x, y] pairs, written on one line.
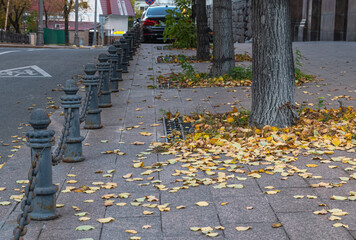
{"points": [[223, 52], [273, 81], [203, 52]]}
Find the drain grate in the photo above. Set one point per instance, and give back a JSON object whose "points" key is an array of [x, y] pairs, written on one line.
{"points": [[176, 129], [164, 48]]}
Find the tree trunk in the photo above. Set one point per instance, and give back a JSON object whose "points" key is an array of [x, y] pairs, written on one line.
{"points": [[14, 22], [46, 18], [66, 22], [223, 52], [203, 52], [273, 80]]}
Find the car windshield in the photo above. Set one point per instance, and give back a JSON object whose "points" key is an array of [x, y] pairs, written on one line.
{"points": [[159, 11]]}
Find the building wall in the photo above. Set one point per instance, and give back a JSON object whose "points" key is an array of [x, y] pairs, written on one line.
{"points": [[87, 15], [116, 23], [351, 21], [312, 20], [241, 19], [327, 20]]}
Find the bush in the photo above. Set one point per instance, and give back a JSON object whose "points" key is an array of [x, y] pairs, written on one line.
{"points": [[179, 26]]}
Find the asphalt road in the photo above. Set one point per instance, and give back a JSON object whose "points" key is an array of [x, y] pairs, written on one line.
{"points": [[35, 79]]}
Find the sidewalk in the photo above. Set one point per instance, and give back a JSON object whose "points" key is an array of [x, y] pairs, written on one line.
{"points": [[151, 203]]}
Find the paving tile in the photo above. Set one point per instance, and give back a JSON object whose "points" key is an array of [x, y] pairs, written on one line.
{"points": [[236, 212], [116, 229], [178, 223], [284, 201], [278, 181], [257, 231], [310, 226]]}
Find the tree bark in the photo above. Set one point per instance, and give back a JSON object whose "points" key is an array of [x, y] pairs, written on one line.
{"points": [[273, 80], [46, 17], [223, 52], [203, 51], [66, 30], [68, 5]]}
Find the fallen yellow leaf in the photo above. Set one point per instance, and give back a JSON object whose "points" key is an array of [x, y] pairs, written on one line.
{"points": [[202, 204], [105, 220], [243, 228]]}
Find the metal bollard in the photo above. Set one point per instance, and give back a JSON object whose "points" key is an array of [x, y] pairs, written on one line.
{"points": [[104, 69], [73, 150], [138, 36], [40, 141], [114, 80], [133, 43], [125, 58], [117, 44], [130, 44], [91, 82]]}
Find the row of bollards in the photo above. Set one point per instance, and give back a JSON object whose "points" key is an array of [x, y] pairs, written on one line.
{"points": [[39, 202]]}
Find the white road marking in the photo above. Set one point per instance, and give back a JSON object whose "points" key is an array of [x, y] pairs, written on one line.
{"points": [[28, 71], [1, 53], [35, 49]]}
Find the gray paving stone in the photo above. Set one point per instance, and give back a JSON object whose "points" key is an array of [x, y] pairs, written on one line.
{"points": [[277, 181], [178, 223], [116, 230], [284, 201], [346, 206], [235, 211], [326, 193], [187, 197], [258, 231], [311, 226]]}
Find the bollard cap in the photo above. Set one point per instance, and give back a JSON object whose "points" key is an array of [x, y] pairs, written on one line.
{"points": [[39, 119], [70, 88], [112, 49], [90, 69], [103, 58], [117, 44]]}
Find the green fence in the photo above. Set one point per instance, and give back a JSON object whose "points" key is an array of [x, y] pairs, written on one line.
{"points": [[52, 36]]}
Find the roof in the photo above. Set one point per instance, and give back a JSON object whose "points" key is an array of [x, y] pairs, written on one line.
{"points": [[117, 7]]}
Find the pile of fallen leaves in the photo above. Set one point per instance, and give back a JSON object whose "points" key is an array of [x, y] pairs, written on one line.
{"points": [[181, 80], [192, 59], [222, 144], [240, 76]]}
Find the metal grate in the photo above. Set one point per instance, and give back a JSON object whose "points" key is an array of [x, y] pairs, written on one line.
{"points": [[176, 129]]}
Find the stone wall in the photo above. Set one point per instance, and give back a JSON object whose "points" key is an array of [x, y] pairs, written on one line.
{"points": [[241, 19]]}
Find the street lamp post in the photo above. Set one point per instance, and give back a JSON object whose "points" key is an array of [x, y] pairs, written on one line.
{"points": [[94, 38], [39, 41], [76, 38]]}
